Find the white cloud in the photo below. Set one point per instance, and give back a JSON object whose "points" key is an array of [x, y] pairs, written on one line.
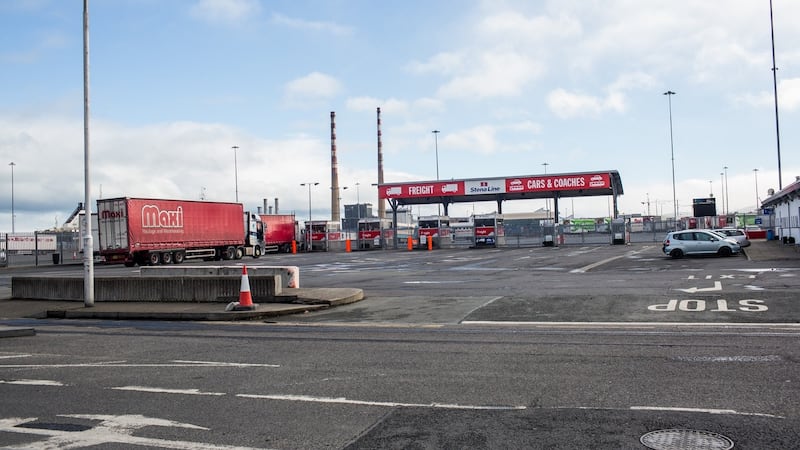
{"points": [[391, 105], [314, 26], [568, 105], [493, 74], [788, 97], [311, 88], [225, 11], [509, 24]]}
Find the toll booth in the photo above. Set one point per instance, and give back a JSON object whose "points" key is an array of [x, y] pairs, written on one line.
{"points": [[619, 232], [488, 230], [322, 235], [373, 233], [435, 229], [548, 233]]}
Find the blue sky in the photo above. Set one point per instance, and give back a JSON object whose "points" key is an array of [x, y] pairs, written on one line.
{"points": [[510, 84]]}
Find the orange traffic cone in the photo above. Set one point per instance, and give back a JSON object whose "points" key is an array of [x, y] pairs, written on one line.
{"points": [[245, 299]]}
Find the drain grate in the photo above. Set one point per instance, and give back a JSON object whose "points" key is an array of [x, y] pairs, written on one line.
{"points": [[679, 439]]}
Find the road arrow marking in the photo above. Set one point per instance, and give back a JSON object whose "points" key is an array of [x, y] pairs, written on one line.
{"points": [[692, 290]]}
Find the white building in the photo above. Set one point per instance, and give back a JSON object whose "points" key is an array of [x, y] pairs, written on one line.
{"points": [[786, 205]]}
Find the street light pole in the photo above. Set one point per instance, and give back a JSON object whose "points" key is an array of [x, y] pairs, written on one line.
{"points": [[727, 192], [436, 143], [358, 203], [775, 91], [755, 172], [12, 195], [669, 95], [236, 171], [546, 200], [308, 233], [711, 188]]}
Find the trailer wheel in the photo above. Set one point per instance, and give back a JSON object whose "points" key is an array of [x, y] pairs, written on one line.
{"points": [[166, 257], [257, 252], [230, 253], [239, 253], [179, 257], [153, 259]]}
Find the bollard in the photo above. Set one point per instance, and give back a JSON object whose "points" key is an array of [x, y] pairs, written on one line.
{"points": [[347, 246], [430, 243], [410, 243], [294, 246]]}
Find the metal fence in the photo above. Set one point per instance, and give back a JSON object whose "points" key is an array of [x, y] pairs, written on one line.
{"points": [[39, 248]]}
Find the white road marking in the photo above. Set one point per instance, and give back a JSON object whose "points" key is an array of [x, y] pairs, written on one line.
{"points": [[116, 364], [223, 364], [692, 290], [794, 327], [703, 410], [15, 356], [33, 382], [743, 358], [166, 391], [342, 400], [753, 288], [608, 260], [432, 282], [110, 430]]}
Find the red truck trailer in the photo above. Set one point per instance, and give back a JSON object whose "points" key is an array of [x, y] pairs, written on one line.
{"points": [[148, 231], [279, 232]]}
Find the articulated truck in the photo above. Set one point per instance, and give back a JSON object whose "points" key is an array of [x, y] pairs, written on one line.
{"points": [[148, 231], [280, 230]]}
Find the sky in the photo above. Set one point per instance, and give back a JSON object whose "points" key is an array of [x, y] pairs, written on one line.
{"points": [[514, 87]]}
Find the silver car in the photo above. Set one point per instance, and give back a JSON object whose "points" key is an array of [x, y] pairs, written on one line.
{"points": [[698, 242], [735, 234]]}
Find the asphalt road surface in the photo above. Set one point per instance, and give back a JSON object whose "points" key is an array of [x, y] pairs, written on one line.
{"points": [[570, 347]]}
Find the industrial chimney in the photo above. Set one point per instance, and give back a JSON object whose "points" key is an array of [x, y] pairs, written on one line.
{"points": [[381, 204], [335, 213]]}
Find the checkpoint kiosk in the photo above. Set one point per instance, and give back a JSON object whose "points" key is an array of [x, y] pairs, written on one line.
{"points": [[373, 233], [488, 230], [322, 235], [435, 229]]}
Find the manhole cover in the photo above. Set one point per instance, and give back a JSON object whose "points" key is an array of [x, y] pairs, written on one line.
{"points": [[685, 440]]}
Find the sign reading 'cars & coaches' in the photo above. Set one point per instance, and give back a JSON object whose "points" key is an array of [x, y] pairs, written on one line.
{"points": [[545, 183]]}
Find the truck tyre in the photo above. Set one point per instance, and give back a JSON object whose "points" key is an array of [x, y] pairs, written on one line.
{"points": [[153, 259], [239, 253], [230, 253], [179, 257], [257, 252], [166, 258]]}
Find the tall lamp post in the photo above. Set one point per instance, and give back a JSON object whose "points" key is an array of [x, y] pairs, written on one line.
{"points": [[722, 188], [236, 171], [436, 147], [546, 200], [775, 90], [308, 233], [358, 203], [436, 144], [727, 192], [12, 195], [755, 171], [669, 95]]}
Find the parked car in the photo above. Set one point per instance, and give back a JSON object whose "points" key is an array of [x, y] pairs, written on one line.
{"points": [[734, 233], [698, 242]]}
